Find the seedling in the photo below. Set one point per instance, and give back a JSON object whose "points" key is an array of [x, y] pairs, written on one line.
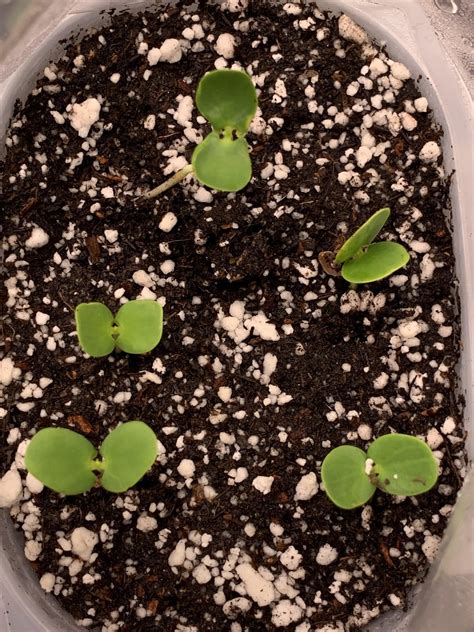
{"points": [[361, 260], [395, 463], [136, 328], [228, 100], [67, 462]]}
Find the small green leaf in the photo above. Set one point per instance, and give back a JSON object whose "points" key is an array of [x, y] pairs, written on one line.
{"points": [[222, 163], [62, 460], [344, 477], [227, 99], [128, 453], [380, 260], [404, 465], [139, 326], [363, 236], [94, 324]]}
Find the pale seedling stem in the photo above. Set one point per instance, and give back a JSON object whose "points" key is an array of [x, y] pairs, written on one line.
{"points": [[180, 175]]}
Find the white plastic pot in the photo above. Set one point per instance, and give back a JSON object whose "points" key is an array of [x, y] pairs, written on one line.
{"points": [[446, 600]]}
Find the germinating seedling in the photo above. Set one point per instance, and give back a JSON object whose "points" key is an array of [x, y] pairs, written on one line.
{"points": [[228, 100], [136, 328], [67, 462], [363, 261], [395, 463]]}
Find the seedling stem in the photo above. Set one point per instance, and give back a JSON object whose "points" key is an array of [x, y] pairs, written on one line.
{"points": [[164, 186]]}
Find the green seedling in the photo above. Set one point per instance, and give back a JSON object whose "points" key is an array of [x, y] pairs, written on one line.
{"points": [[228, 100], [395, 463], [365, 262], [136, 328], [67, 462]]}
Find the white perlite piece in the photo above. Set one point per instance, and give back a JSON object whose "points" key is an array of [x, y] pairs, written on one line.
{"points": [[115, 78], [58, 117], [178, 554], [153, 56], [167, 267], [448, 426], [259, 589], [285, 613], [33, 550], [107, 192], [327, 554], [421, 104], [377, 68], [263, 484], [270, 362], [111, 235], [365, 432], [37, 239], [83, 115], [8, 372], [224, 393], [150, 122], [307, 487], [430, 547], [225, 45], [186, 468], [235, 6], [34, 485], [236, 606], [409, 329], [10, 488], [47, 582], [202, 574], [184, 112], [291, 558], [203, 195], [430, 151], [170, 51], [41, 318], [168, 222], [409, 122], [83, 542], [142, 278], [363, 155], [381, 381], [394, 600], [433, 438], [400, 71], [262, 327], [146, 524], [351, 31], [239, 324]]}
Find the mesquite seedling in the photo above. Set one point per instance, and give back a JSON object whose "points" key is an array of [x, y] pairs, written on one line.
{"points": [[136, 328], [67, 462], [395, 463], [363, 261], [228, 100]]}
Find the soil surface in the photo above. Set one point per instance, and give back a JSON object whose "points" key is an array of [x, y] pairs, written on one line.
{"points": [[266, 363]]}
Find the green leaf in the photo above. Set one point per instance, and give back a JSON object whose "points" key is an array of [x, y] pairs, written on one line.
{"points": [[344, 477], [128, 453], [227, 99], [94, 325], [62, 460], [363, 236], [222, 163], [139, 326], [404, 465], [380, 260]]}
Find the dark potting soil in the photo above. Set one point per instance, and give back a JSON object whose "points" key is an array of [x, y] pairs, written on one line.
{"points": [[266, 362]]}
